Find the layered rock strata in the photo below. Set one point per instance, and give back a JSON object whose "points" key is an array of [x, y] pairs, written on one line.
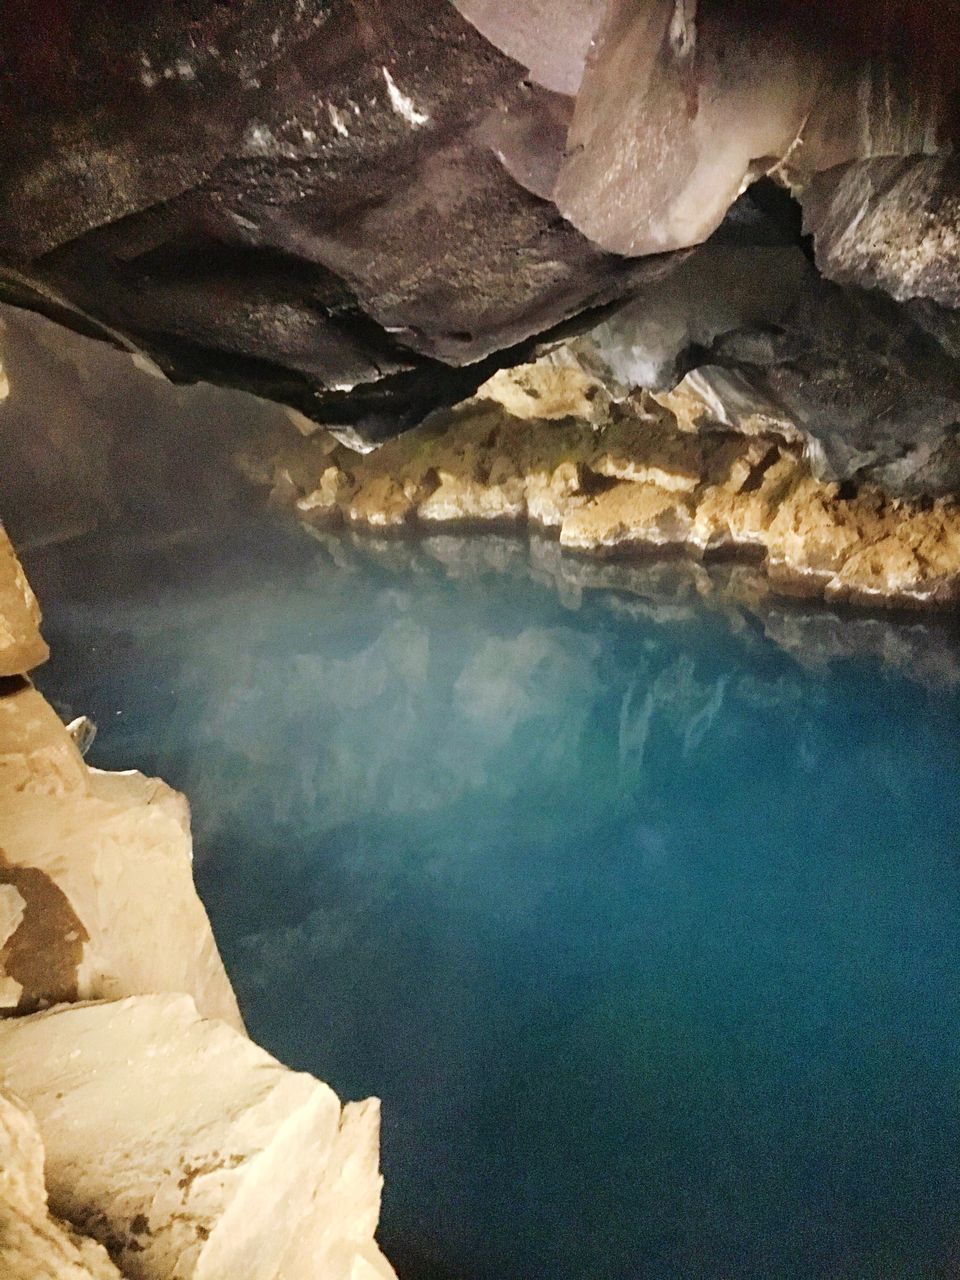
{"points": [[637, 480]]}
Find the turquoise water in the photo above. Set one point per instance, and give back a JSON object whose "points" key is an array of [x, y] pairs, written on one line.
{"points": [[646, 931]]}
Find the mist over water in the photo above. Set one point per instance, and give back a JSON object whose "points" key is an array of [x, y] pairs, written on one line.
{"points": [[647, 936]]}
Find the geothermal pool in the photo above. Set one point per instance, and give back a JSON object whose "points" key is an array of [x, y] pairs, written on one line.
{"points": [[645, 929]]}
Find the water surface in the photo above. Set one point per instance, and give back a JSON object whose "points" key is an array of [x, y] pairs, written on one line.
{"points": [[647, 935]]}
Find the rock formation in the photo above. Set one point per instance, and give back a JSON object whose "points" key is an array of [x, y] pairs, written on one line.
{"points": [[33, 1244], [157, 1128], [189, 1152], [631, 480], [363, 212], [688, 268], [102, 862], [21, 645]]}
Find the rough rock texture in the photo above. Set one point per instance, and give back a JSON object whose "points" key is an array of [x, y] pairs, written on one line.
{"points": [[21, 645], [189, 1152], [890, 223], [313, 200], [34, 1245], [683, 104], [871, 386], [638, 481], [172, 1140], [363, 211], [102, 864]]}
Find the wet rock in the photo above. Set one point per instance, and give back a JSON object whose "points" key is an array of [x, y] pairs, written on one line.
{"points": [[755, 339], [101, 863], [187, 1151], [218, 201], [551, 38], [21, 646], [890, 223], [366, 213], [638, 481], [682, 105]]}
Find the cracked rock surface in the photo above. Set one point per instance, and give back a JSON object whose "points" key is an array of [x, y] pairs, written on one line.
{"points": [[212, 1160]]}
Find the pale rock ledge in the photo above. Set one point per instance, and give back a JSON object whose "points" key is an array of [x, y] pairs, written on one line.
{"points": [[33, 1244], [21, 645], [96, 870], [190, 1153]]}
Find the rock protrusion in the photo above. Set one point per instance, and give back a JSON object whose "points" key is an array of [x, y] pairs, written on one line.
{"points": [[102, 865], [191, 1153], [21, 645], [33, 1244]]}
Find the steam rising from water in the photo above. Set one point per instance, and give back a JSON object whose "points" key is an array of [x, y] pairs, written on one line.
{"points": [[648, 937]]}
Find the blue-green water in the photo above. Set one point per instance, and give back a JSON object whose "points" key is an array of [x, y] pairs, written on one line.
{"points": [[647, 936]]}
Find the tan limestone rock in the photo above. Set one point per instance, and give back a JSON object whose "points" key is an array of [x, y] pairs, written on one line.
{"points": [[34, 1245], [628, 513], [21, 646], [102, 865], [649, 449], [192, 1153], [664, 472], [553, 387], [550, 497], [382, 503], [466, 498]]}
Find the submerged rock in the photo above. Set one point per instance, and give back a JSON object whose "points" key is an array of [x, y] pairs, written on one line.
{"points": [[189, 1152]]}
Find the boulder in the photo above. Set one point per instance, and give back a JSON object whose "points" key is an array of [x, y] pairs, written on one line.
{"points": [[191, 1153], [33, 1244], [98, 867]]}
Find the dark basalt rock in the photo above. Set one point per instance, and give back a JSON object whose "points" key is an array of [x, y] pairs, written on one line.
{"points": [[333, 206], [891, 223], [362, 208], [871, 388]]}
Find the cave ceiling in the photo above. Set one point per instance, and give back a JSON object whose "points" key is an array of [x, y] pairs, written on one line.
{"points": [[362, 208]]}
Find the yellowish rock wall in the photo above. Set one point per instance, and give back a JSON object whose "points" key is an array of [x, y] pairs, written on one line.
{"points": [[637, 478]]}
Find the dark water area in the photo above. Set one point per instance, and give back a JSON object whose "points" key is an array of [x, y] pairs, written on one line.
{"points": [[646, 933]]}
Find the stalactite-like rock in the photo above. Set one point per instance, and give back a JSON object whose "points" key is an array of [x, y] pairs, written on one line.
{"points": [[191, 1153]]}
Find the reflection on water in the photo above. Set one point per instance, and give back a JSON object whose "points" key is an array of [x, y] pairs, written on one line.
{"points": [[641, 915]]}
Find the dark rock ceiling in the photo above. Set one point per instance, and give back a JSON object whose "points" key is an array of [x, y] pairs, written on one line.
{"points": [[361, 208]]}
